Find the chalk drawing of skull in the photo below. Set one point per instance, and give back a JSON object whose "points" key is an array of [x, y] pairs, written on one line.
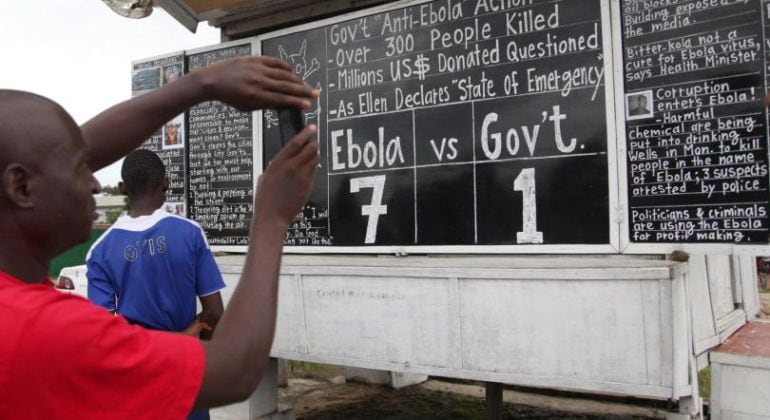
{"points": [[298, 61]]}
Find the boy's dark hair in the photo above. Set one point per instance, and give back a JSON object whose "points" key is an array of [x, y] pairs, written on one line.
{"points": [[143, 172]]}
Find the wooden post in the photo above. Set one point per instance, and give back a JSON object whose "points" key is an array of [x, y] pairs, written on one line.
{"points": [[494, 396]]}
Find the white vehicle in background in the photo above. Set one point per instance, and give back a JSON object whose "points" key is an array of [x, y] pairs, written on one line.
{"points": [[73, 280]]}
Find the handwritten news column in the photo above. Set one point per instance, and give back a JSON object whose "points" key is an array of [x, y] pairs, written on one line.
{"points": [[169, 142], [221, 180], [696, 126], [456, 123]]}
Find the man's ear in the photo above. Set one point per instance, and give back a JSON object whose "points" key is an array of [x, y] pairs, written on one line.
{"points": [[18, 185], [122, 188], [166, 183]]}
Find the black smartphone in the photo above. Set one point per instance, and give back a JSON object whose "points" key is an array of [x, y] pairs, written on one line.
{"points": [[291, 121]]}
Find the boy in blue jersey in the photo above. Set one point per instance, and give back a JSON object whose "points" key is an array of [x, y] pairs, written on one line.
{"points": [[150, 265]]}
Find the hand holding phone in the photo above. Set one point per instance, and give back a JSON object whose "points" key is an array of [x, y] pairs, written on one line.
{"points": [[290, 121]]}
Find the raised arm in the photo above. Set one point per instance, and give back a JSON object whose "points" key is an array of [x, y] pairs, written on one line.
{"points": [[247, 83], [238, 352]]}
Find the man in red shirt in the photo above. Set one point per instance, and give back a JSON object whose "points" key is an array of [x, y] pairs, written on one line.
{"points": [[62, 357]]}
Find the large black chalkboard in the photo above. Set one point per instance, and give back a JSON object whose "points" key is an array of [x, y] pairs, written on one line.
{"points": [[221, 167], [168, 142], [696, 128], [455, 123]]}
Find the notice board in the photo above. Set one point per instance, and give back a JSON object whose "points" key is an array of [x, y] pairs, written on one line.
{"points": [[457, 125], [695, 73], [521, 126], [220, 159], [169, 142]]}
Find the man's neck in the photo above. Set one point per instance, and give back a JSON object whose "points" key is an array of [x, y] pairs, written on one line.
{"points": [[144, 206], [18, 260]]}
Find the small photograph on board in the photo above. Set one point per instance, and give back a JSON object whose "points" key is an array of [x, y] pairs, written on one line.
{"points": [[173, 133], [145, 79], [176, 208], [171, 73], [639, 105]]}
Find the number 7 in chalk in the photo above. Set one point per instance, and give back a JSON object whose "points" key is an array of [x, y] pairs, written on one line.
{"points": [[375, 208], [525, 183]]}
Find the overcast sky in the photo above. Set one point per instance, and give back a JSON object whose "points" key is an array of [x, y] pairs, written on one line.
{"points": [[79, 53]]}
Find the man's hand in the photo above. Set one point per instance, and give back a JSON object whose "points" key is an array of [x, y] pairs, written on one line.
{"points": [[287, 181], [256, 82]]}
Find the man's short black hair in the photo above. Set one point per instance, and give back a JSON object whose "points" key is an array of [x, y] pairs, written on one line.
{"points": [[143, 172]]}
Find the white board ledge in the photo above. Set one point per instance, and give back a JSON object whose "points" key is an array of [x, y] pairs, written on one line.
{"points": [[510, 267]]}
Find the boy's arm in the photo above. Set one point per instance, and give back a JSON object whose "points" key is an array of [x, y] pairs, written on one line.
{"points": [[212, 309], [101, 290], [247, 83]]}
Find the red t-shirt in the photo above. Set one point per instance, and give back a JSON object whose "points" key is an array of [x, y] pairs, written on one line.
{"points": [[63, 357]]}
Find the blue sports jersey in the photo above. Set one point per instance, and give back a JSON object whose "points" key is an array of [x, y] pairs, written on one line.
{"points": [[151, 268]]}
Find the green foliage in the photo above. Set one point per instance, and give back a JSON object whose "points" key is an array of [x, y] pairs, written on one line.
{"points": [[112, 216], [110, 190], [74, 256], [307, 369], [704, 382]]}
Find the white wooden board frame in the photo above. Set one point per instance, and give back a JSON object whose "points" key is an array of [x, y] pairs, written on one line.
{"points": [[612, 247]]}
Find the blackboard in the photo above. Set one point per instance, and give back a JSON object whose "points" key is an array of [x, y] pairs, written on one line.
{"points": [[456, 123], [220, 159], [515, 126], [168, 142], [696, 154]]}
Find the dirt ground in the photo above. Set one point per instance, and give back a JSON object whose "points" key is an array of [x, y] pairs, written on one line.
{"points": [[317, 392]]}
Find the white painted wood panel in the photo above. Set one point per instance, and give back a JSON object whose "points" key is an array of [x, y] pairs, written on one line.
{"points": [[747, 272], [401, 320], [704, 330], [590, 324], [652, 319], [667, 332], [577, 329], [291, 336], [740, 392], [683, 361], [719, 273]]}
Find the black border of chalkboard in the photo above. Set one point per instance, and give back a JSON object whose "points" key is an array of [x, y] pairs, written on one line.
{"points": [[612, 247]]}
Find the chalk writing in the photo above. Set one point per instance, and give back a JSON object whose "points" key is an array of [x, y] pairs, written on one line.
{"points": [[441, 119], [221, 182], [149, 75], [696, 147]]}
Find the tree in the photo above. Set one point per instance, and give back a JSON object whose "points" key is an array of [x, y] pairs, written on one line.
{"points": [[110, 190], [112, 216]]}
